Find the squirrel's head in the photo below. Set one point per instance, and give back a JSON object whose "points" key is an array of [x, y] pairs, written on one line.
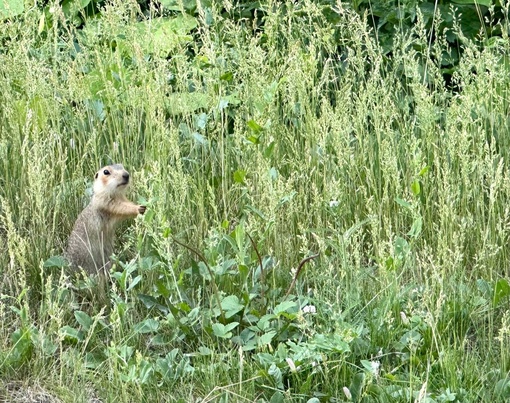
{"points": [[110, 180]]}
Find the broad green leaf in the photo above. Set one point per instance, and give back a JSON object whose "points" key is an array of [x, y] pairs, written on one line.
{"points": [[239, 176], [204, 350], [55, 261], [268, 152], [416, 188], [93, 361], [228, 76], [133, 283], [403, 203], [368, 365], [83, 319], [416, 228], [273, 174], [11, 8], [231, 305], [284, 307], [424, 170], [486, 3], [47, 346], [67, 332], [73, 7], [401, 247], [502, 389], [266, 338], [223, 331], [254, 126], [356, 386], [151, 302], [231, 302], [264, 322], [179, 103], [231, 326], [501, 290], [147, 326], [278, 397], [162, 35], [189, 5]]}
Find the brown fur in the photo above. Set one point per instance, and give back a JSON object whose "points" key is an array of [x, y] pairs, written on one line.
{"points": [[91, 241]]}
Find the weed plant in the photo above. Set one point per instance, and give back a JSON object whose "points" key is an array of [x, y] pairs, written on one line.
{"points": [[256, 143]]}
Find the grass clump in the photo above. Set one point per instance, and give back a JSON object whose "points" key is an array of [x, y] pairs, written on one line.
{"points": [[257, 142]]}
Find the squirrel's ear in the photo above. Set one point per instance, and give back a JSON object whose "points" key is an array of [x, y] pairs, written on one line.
{"points": [[95, 177]]}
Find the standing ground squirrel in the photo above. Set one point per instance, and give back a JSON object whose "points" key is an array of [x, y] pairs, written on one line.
{"points": [[91, 242]]}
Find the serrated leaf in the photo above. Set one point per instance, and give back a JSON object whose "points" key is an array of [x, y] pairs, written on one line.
{"points": [[199, 139]]}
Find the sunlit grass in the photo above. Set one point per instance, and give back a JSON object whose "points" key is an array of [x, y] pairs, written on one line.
{"points": [[302, 135]]}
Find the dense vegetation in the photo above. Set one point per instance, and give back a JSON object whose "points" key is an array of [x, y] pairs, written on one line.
{"points": [[327, 190]]}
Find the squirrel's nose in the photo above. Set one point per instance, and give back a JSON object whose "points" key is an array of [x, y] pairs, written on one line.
{"points": [[125, 175]]}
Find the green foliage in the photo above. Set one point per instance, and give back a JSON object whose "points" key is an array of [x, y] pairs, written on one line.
{"points": [[259, 134], [11, 8]]}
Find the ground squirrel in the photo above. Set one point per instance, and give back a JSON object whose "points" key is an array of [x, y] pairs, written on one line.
{"points": [[91, 241]]}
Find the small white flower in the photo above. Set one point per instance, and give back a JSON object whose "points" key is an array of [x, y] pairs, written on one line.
{"points": [[310, 309], [375, 367], [403, 316], [347, 392], [293, 272], [334, 203], [292, 366]]}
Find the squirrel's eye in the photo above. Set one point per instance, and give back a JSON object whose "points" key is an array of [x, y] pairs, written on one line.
{"points": [[106, 172]]}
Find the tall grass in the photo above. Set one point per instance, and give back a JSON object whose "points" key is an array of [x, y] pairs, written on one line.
{"points": [[299, 132]]}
